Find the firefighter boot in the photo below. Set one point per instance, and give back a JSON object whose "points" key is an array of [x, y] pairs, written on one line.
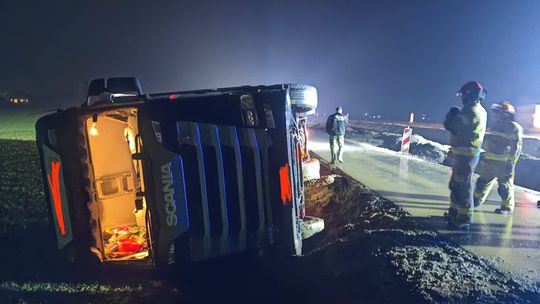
{"points": [[450, 214], [504, 210], [460, 222], [477, 202]]}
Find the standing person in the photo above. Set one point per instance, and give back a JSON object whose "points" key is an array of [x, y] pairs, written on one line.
{"points": [[467, 126], [502, 150], [335, 127]]}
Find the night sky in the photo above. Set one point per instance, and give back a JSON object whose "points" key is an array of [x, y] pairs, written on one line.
{"points": [[391, 57]]}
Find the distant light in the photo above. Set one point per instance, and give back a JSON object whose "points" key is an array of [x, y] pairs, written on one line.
{"points": [[172, 96], [536, 116]]}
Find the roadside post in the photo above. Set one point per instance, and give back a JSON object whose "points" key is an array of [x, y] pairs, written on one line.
{"points": [[405, 145], [406, 138]]}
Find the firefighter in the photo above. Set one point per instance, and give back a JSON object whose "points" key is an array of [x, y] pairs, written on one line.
{"points": [[498, 161], [467, 126], [335, 127]]}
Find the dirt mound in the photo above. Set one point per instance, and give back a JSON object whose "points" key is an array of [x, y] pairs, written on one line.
{"points": [[363, 225]]}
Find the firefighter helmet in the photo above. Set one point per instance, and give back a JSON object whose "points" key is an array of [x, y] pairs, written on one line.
{"points": [[504, 107], [472, 91]]}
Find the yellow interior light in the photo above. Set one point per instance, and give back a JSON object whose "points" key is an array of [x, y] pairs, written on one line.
{"points": [[94, 129]]}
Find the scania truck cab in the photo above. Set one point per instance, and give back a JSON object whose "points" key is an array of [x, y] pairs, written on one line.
{"points": [[149, 179]]}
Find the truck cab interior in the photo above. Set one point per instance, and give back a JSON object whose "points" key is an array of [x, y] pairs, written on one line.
{"points": [[118, 206]]}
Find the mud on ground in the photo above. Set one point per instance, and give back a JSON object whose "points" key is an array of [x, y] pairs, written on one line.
{"points": [[359, 221], [370, 252]]}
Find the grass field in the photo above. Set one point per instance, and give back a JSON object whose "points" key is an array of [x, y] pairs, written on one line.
{"points": [[18, 123], [21, 193]]}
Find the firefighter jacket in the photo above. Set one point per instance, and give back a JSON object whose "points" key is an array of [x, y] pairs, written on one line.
{"points": [[504, 141], [336, 124], [468, 127]]}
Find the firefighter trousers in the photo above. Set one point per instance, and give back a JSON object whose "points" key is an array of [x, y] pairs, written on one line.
{"points": [[461, 188], [492, 171], [336, 147]]}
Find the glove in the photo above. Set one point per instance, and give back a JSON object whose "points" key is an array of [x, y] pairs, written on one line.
{"points": [[453, 111]]}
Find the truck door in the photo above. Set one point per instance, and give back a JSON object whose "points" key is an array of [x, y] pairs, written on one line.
{"points": [[56, 136], [165, 188]]}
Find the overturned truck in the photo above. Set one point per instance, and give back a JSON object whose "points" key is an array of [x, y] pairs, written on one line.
{"points": [[151, 179]]}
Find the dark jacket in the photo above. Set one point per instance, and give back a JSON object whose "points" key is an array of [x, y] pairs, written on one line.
{"points": [[336, 124]]}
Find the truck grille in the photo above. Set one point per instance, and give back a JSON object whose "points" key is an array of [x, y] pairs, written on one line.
{"points": [[227, 183]]}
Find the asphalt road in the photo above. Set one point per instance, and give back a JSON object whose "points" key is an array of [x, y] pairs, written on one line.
{"points": [[533, 134], [421, 187]]}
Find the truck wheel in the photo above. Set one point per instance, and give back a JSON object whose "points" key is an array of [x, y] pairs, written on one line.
{"points": [[311, 169], [303, 98], [311, 226]]}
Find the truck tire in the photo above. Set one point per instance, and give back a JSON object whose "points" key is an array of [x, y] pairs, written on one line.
{"points": [[311, 226], [311, 169], [303, 98]]}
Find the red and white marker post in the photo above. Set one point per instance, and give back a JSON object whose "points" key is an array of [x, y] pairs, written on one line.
{"points": [[407, 134]]}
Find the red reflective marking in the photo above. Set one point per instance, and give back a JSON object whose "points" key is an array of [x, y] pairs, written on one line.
{"points": [[172, 96], [285, 184], [406, 140], [54, 185]]}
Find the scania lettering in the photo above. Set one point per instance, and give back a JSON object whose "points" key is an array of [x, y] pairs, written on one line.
{"points": [[168, 191]]}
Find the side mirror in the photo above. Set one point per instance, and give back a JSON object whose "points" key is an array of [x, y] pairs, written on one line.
{"points": [[96, 87], [124, 85], [104, 92]]}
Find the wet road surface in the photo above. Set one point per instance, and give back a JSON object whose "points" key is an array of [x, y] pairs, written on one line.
{"points": [[421, 187]]}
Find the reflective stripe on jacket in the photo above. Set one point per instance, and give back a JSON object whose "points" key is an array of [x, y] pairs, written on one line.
{"points": [[497, 157], [465, 151]]}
